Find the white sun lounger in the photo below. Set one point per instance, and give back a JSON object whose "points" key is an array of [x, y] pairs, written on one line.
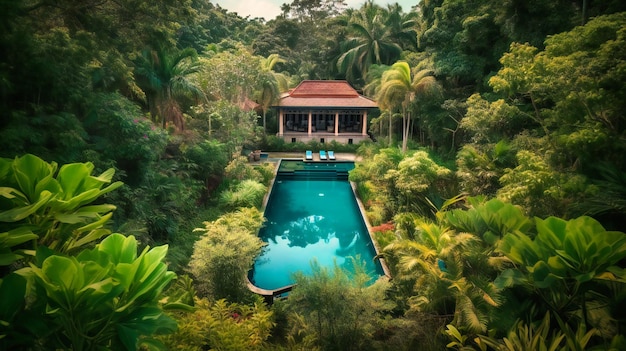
{"points": [[322, 155]]}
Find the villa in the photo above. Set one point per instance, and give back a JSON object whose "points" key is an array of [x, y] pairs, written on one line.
{"points": [[323, 110]]}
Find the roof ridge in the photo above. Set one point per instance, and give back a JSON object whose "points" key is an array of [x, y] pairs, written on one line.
{"points": [[324, 88]]}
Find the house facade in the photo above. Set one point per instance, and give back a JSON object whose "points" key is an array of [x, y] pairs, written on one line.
{"points": [[323, 110]]}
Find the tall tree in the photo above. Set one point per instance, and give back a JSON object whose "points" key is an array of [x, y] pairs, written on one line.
{"points": [[372, 42], [400, 85], [271, 84], [403, 26], [165, 79]]}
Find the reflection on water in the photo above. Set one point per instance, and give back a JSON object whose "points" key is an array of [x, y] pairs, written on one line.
{"points": [[302, 226]]}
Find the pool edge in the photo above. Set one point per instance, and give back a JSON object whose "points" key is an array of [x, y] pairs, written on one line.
{"points": [[382, 261]]}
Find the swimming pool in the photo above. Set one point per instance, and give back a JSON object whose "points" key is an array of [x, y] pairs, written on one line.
{"points": [[312, 214]]}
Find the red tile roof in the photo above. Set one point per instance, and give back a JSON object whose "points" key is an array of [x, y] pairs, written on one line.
{"points": [[325, 93]]}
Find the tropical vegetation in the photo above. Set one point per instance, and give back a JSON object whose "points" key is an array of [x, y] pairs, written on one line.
{"points": [[493, 181]]}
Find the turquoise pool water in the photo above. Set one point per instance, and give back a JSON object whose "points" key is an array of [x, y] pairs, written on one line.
{"points": [[311, 215]]}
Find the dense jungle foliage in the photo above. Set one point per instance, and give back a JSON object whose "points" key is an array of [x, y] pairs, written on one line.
{"points": [[495, 181]]}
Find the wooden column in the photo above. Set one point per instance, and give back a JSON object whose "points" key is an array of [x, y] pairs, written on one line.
{"points": [[364, 121], [281, 122], [337, 123], [309, 123]]}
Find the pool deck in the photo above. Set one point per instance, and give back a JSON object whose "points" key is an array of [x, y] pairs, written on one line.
{"points": [[276, 156]]}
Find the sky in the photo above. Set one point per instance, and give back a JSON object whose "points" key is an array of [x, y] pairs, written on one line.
{"points": [[269, 9]]}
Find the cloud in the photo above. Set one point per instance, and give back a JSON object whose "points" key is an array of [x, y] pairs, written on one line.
{"points": [[267, 9]]}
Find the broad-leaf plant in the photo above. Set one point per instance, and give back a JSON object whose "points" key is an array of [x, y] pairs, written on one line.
{"points": [[59, 287]]}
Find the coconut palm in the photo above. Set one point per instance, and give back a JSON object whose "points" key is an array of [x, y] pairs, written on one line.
{"points": [[372, 42], [271, 84], [401, 86], [164, 78]]}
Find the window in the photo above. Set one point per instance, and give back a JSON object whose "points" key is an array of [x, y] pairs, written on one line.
{"points": [[293, 140], [349, 141], [322, 140]]}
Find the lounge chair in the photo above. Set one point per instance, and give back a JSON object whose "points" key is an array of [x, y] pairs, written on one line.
{"points": [[331, 155], [309, 155], [322, 155]]}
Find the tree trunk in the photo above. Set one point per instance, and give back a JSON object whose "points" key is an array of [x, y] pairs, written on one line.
{"points": [[264, 113], [390, 124], [406, 123]]}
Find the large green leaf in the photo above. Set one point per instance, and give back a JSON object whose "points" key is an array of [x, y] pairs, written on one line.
{"points": [[120, 248], [16, 236], [29, 170], [84, 214], [551, 232], [62, 273], [19, 213], [71, 177], [13, 238], [97, 182], [13, 194], [59, 276], [541, 275]]}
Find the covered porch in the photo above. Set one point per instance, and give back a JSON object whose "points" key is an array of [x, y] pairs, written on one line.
{"points": [[345, 126]]}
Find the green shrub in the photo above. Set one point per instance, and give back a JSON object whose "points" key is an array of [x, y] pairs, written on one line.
{"points": [[222, 326], [340, 311], [248, 193], [240, 168], [225, 253]]}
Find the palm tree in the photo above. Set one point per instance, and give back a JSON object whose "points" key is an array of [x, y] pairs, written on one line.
{"points": [[372, 43], [271, 84], [400, 85], [372, 87], [436, 258], [164, 78], [403, 26]]}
